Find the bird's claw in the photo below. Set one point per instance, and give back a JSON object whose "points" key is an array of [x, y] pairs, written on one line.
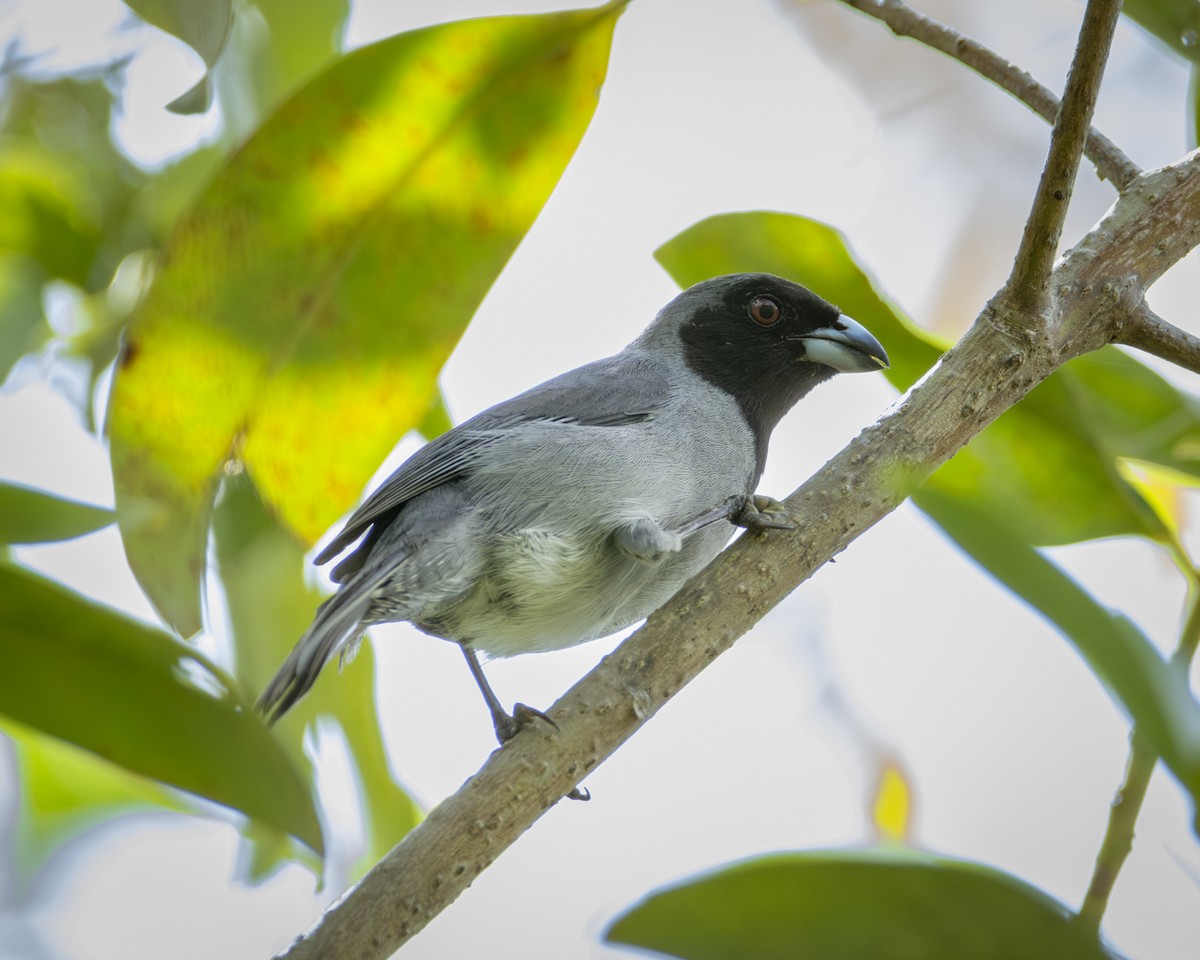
{"points": [[508, 726], [762, 513]]}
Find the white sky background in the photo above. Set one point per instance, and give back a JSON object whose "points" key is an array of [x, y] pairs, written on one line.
{"points": [[1013, 749]]}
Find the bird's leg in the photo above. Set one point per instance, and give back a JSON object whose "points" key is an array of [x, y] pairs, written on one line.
{"points": [[752, 512], [508, 725]]}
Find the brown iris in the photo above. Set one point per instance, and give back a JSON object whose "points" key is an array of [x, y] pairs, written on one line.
{"points": [[765, 311]]}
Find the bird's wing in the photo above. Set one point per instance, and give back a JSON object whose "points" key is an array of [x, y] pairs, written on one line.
{"points": [[618, 390]]}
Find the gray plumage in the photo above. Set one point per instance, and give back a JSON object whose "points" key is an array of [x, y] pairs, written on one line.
{"points": [[566, 513]]}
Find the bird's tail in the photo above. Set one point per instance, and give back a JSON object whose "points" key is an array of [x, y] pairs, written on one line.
{"points": [[339, 622]]}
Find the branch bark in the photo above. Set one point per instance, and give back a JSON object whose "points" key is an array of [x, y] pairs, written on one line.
{"points": [[996, 363], [1110, 162], [1148, 331]]}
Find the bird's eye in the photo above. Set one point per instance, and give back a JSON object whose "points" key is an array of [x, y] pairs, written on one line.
{"points": [[765, 311]]}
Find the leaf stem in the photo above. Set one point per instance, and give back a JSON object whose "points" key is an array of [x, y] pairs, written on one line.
{"points": [[1127, 803]]}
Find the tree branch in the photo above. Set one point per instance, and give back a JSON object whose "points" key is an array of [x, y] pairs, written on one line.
{"points": [[1043, 230], [1110, 162], [1148, 331], [987, 372]]}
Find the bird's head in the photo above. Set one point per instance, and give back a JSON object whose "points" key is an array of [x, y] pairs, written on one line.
{"points": [[764, 340]]}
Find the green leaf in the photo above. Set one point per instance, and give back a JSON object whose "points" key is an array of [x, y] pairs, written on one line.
{"points": [[1050, 470], [852, 905], [23, 327], [306, 304], [203, 26], [33, 516], [1133, 412], [136, 696], [304, 36], [262, 572], [65, 791], [1153, 692], [1175, 22]]}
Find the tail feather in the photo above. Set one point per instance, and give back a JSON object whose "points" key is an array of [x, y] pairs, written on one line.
{"points": [[339, 621]]}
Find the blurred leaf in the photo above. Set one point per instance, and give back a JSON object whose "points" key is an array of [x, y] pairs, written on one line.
{"points": [[304, 36], [891, 811], [46, 212], [136, 696], [1131, 411], [1193, 119], [65, 791], [1048, 467], [34, 516], [1154, 693], [262, 567], [1175, 22], [57, 135], [808, 252], [23, 327], [203, 26], [306, 304], [1161, 487], [437, 418], [855, 905]]}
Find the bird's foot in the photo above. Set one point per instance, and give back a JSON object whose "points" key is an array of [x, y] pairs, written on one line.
{"points": [[762, 513], [509, 725]]}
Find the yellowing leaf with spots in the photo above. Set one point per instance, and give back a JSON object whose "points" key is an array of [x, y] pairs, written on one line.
{"points": [[304, 307]]}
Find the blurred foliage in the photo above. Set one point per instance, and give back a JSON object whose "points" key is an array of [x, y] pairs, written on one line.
{"points": [[66, 791], [33, 516], [892, 803], [143, 699], [269, 605], [309, 268], [885, 905], [204, 27], [1175, 22]]}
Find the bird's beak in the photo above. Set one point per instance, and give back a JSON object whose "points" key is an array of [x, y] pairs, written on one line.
{"points": [[847, 346]]}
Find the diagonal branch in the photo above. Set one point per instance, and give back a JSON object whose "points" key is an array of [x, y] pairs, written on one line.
{"points": [[1043, 229], [1147, 331], [1110, 162], [986, 373]]}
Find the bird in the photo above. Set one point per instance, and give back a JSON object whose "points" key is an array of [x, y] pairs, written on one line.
{"points": [[580, 506]]}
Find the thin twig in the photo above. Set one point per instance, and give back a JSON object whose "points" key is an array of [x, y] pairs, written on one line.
{"points": [[1039, 244], [1118, 837], [1149, 332], [1110, 162], [1127, 804]]}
